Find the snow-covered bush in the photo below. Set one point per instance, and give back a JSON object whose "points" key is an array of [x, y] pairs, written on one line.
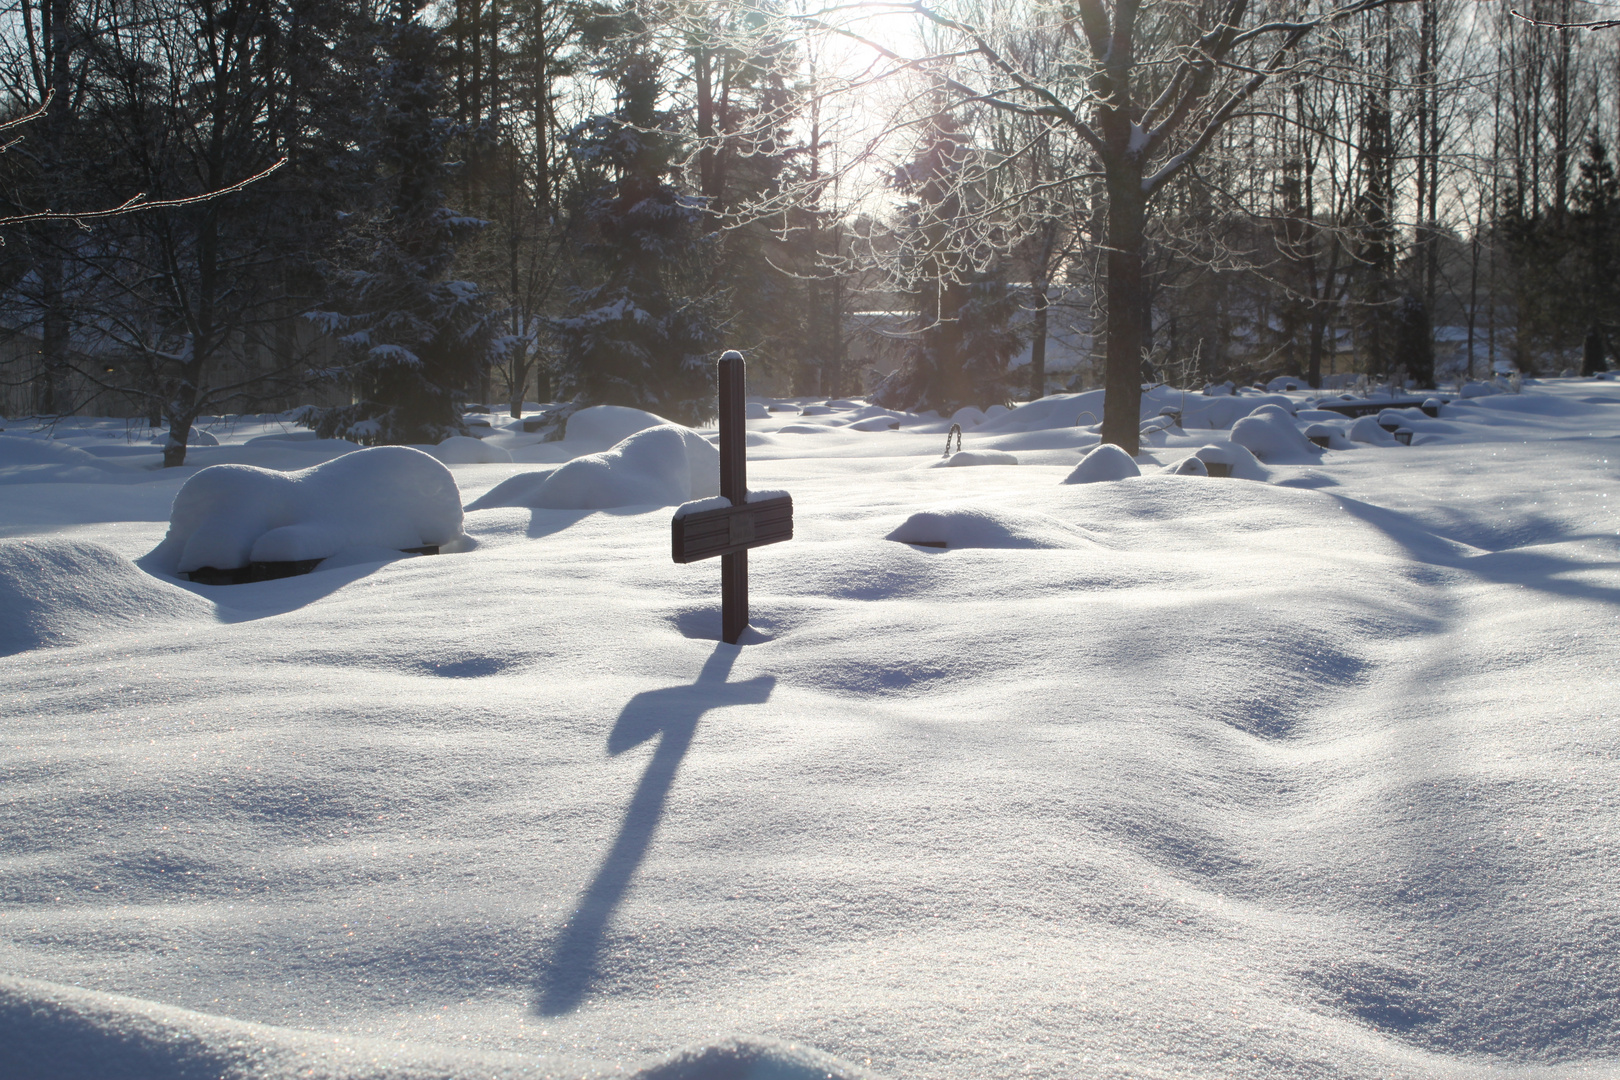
{"points": [[661, 466], [227, 516]]}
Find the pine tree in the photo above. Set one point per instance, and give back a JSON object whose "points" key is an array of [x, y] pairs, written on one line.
{"points": [[642, 335], [416, 337], [1413, 347], [1597, 228]]}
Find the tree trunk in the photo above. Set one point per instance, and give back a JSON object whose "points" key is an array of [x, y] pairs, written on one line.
{"points": [[520, 383], [174, 451], [53, 353], [835, 328], [1037, 344], [708, 168], [1126, 295], [1322, 312], [56, 22]]}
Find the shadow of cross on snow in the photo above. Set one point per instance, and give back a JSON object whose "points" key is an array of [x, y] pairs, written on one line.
{"points": [[672, 712]]}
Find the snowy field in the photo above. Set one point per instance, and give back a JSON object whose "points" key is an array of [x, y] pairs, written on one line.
{"points": [[1313, 771]]}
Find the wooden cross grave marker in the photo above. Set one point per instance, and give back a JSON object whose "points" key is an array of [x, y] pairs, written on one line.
{"points": [[730, 531]]}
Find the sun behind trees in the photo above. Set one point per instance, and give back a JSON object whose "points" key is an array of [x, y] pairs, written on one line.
{"points": [[1146, 88]]}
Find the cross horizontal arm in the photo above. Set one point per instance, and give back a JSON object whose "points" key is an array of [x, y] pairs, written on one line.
{"points": [[730, 529]]}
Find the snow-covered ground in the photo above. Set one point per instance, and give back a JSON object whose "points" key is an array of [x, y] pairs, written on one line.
{"points": [[1313, 774]]}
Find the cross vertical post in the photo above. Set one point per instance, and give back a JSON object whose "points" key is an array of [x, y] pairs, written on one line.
{"points": [[733, 486], [701, 530]]}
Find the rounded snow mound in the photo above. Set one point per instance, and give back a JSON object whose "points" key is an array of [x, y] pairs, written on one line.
{"points": [[48, 1031], [63, 592], [1235, 459], [1221, 412], [16, 451], [968, 416], [466, 450], [756, 410], [988, 527], [974, 457], [228, 516], [603, 426], [1366, 429], [1188, 466], [300, 437], [1332, 433], [1270, 435], [1052, 411], [1104, 462], [750, 1059], [661, 466]]}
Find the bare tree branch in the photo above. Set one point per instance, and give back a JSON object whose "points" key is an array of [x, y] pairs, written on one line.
{"points": [[134, 204]]}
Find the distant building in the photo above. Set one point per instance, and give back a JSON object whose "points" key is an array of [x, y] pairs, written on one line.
{"points": [[877, 340]]}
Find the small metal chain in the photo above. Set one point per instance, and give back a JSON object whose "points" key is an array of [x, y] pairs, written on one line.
{"points": [[956, 429]]}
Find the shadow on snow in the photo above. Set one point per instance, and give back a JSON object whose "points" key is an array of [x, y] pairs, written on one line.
{"points": [[671, 715]]}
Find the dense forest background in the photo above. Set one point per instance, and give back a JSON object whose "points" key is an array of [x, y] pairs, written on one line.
{"points": [[574, 203]]}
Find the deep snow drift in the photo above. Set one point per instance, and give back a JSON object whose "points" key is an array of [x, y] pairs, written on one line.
{"points": [[1310, 774], [388, 497]]}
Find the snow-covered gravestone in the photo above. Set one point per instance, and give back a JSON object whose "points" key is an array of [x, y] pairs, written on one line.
{"points": [[232, 524], [731, 524]]}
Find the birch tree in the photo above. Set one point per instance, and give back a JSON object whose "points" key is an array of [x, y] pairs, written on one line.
{"points": [[1153, 84]]}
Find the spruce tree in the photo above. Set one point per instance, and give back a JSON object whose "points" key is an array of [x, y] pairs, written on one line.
{"points": [[643, 334], [416, 338], [1597, 239]]}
